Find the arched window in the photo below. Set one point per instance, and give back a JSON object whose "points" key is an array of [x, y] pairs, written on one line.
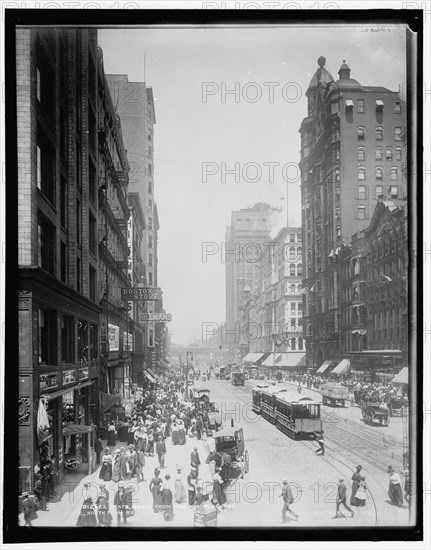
{"points": [[388, 153], [299, 250], [361, 172], [299, 272], [292, 270], [300, 344], [292, 253], [361, 133], [379, 173], [293, 344], [292, 289], [379, 154], [361, 153], [379, 133]]}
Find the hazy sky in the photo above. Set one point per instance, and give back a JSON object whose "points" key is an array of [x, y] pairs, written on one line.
{"points": [[194, 137]]}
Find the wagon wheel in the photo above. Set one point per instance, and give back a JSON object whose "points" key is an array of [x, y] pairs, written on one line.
{"points": [[246, 462]]}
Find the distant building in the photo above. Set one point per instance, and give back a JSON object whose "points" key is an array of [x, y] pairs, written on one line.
{"points": [[351, 155], [246, 240]]}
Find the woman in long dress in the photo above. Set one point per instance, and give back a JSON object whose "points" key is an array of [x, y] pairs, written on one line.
{"points": [[106, 469], [180, 490], [395, 492], [155, 484], [87, 517], [166, 489], [116, 468], [361, 492], [355, 478], [112, 434], [218, 489]]}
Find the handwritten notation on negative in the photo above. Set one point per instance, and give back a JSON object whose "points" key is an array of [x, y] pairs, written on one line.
{"points": [[377, 29]]}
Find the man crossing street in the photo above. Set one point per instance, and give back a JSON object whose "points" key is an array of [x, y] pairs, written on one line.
{"points": [[286, 493]]}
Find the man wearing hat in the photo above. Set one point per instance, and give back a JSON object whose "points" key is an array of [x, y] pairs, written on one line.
{"points": [[341, 499], [195, 460], [191, 484], [28, 508], [121, 502], [288, 499]]}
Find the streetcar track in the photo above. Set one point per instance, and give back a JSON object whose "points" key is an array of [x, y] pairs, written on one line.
{"points": [[243, 394]]}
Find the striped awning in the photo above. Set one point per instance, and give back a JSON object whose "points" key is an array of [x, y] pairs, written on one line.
{"points": [[149, 376], [270, 360], [342, 367], [285, 360], [252, 357], [324, 366]]}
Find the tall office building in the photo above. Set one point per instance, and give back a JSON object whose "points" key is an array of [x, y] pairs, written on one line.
{"points": [[351, 155], [134, 103], [246, 239]]}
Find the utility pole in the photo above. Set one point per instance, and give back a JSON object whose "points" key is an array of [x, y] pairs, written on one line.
{"points": [[187, 375]]}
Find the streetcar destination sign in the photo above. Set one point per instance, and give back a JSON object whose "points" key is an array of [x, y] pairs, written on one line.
{"points": [[155, 317], [140, 294]]}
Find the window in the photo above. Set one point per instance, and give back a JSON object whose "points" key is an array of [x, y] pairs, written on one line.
{"points": [[92, 229], [393, 191], [150, 279], [292, 289], [379, 191], [150, 260], [45, 166], [293, 344], [299, 237], [63, 262], [379, 133], [293, 307], [361, 153], [150, 223], [379, 154], [44, 79], [92, 181], [361, 212], [78, 221], [92, 284], [300, 344], [47, 336], [150, 169], [361, 173], [82, 341], [397, 132], [150, 241], [299, 272], [292, 270], [388, 153], [299, 307], [94, 347], [398, 153], [151, 338], [63, 201], [397, 107], [379, 173], [46, 245], [292, 253], [394, 173], [361, 133], [150, 204], [292, 237], [360, 106], [78, 274], [361, 192], [67, 339]]}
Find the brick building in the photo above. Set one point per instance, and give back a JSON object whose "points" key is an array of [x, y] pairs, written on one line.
{"points": [[134, 103], [113, 169], [351, 155], [58, 249]]}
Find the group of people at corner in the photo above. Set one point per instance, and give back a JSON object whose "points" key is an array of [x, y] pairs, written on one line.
{"points": [[162, 412]]}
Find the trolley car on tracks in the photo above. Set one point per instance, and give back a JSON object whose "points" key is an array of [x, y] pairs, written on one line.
{"points": [[297, 418], [256, 393], [238, 378], [268, 399]]}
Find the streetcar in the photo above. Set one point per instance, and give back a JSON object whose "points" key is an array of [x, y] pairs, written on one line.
{"points": [[238, 378], [297, 417], [268, 400], [256, 396]]}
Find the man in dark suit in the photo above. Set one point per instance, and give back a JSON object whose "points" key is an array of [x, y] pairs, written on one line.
{"points": [[195, 460], [286, 493], [341, 499]]}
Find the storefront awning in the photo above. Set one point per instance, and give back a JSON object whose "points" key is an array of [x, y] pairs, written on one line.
{"points": [[270, 360], [342, 367], [106, 401], [149, 376], [75, 429], [324, 366], [57, 393], [252, 357], [153, 374], [402, 377]]}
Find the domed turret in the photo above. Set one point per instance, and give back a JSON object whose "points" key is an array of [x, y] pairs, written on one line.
{"points": [[321, 76], [345, 82]]}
